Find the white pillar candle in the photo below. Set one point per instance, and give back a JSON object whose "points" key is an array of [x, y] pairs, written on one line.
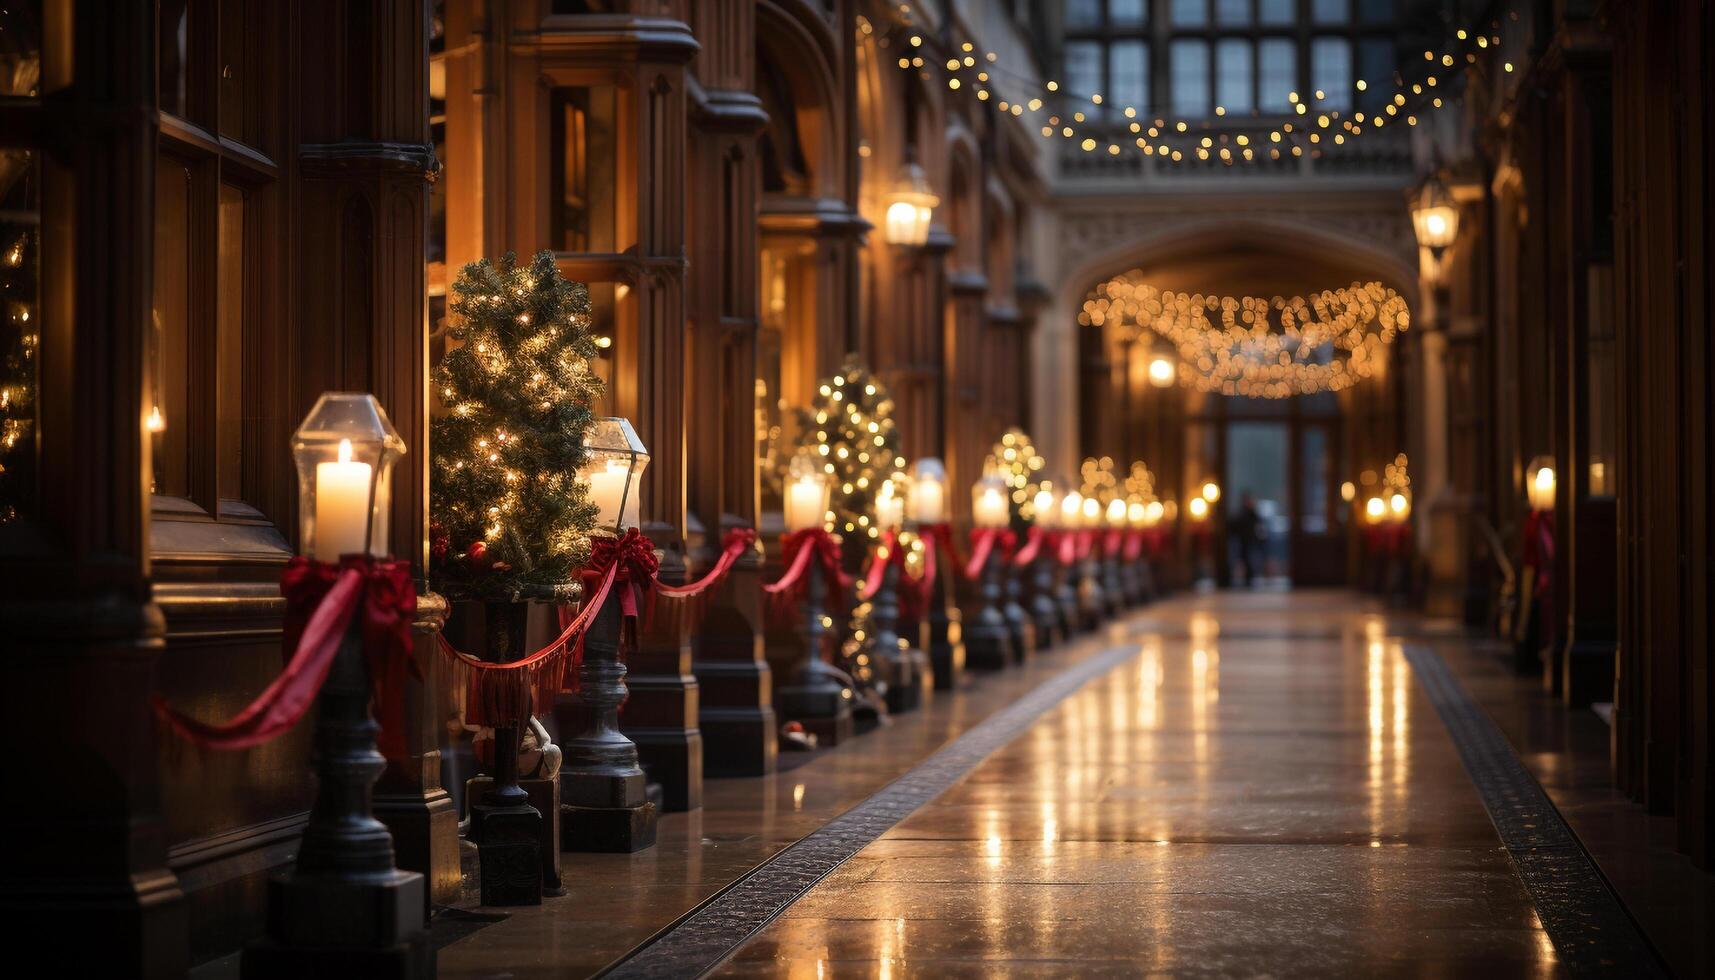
{"points": [[608, 489], [805, 504], [928, 502], [342, 506], [1541, 489], [990, 508]]}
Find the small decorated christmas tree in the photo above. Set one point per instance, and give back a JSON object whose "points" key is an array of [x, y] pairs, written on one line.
{"points": [[851, 425], [510, 517]]}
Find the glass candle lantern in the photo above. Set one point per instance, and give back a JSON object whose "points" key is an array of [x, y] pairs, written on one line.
{"points": [[1399, 507], [927, 501], [1071, 510], [1136, 514], [1092, 516], [990, 506], [1199, 509], [1153, 512], [345, 450], [1161, 372], [913, 206], [807, 491], [1047, 509], [1375, 509], [1211, 491], [614, 473], [1539, 483], [890, 504], [1435, 217], [1116, 513]]}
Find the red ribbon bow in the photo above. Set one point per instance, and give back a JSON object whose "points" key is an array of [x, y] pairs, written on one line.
{"points": [[631, 556], [803, 547]]}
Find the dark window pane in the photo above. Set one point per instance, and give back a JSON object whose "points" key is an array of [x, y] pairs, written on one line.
{"points": [[1127, 13], [21, 49], [583, 170], [172, 20], [1189, 13], [1331, 11], [1277, 71], [1276, 12], [235, 30], [1314, 467], [1233, 13], [1331, 72], [1190, 78], [1377, 11], [1233, 83], [1602, 375], [1083, 68], [1128, 68], [20, 288], [1083, 13], [229, 346], [170, 329], [1375, 67]]}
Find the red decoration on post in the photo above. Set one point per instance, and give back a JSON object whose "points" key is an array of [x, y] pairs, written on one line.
{"points": [[1033, 540], [321, 601], [802, 547]]}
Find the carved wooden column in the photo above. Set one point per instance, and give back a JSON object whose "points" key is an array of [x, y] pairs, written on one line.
{"points": [[661, 711], [967, 330], [911, 351], [736, 706], [82, 636], [642, 60]]}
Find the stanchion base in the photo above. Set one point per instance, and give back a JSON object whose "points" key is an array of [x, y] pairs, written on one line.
{"points": [[988, 645], [738, 741], [1021, 632], [330, 926], [509, 846], [908, 675], [545, 798], [607, 830]]}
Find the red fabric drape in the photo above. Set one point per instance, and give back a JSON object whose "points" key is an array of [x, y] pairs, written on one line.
{"points": [[733, 546], [803, 547], [984, 540], [878, 565], [1033, 540], [321, 601]]}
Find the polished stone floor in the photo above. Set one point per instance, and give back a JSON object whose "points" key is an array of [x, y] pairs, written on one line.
{"points": [[1247, 784], [1262, 789]]}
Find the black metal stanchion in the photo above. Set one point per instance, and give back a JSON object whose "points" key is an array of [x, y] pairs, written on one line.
{"points": [[344, 909]]}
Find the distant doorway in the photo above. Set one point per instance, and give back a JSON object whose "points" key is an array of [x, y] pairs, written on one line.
{"points": [[1284, 455]]}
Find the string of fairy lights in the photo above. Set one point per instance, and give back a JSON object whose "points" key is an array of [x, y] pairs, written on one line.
{"points": [[1058, 113], [1261, 348]]}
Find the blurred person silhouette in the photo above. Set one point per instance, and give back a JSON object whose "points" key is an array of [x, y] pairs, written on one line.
{"points": [[1248, 535]]}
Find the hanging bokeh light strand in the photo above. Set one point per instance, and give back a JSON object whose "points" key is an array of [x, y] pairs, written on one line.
{"points": [[1261, 348], [1312, 123]]}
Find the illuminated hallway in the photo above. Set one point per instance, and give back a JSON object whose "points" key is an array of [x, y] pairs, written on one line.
{"points": [[1248, 784]]}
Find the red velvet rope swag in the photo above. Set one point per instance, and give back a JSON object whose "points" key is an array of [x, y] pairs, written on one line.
{"points": [[321, 600], [502, 694]]}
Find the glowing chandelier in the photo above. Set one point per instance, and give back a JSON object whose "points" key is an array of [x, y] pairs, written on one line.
{"points": [[1256, 347]]}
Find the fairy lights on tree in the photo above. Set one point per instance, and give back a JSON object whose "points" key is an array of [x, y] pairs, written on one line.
{"points": [[1016, 460], [851, 426], [511, 520], [18, 342]]}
